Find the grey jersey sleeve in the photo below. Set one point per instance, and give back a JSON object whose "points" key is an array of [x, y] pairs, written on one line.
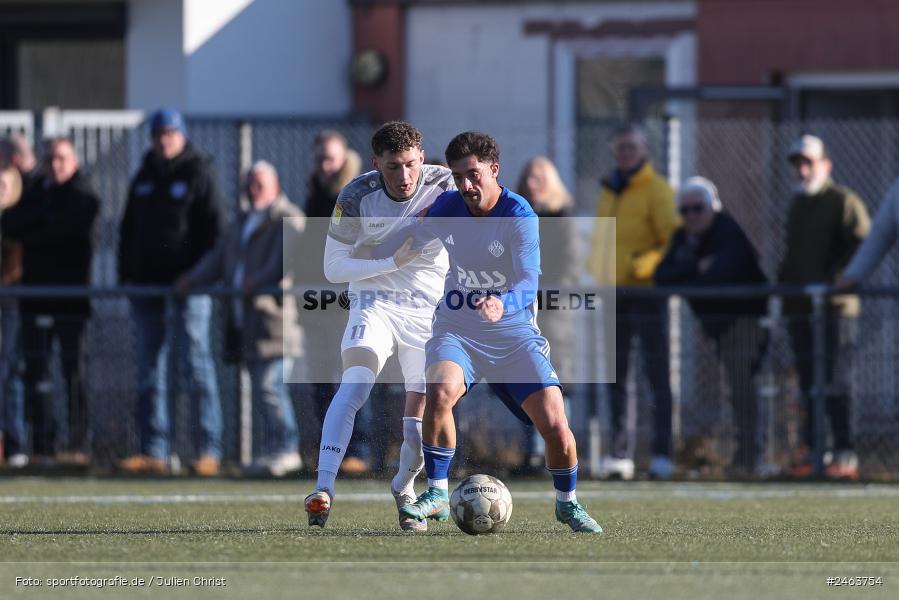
{"points": [[346, 218], [438, 176]]}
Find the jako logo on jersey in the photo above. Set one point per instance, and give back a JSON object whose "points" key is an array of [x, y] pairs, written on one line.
{"points": [[485, 280], [377, 225], [449, 241], [331, 448], [495, 248]]}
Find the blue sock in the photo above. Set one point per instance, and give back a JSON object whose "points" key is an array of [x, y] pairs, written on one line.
{"points": [[564, 480], [437, 463]]}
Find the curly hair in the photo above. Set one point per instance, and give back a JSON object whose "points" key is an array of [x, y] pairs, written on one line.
{"points": [[467, 143], [395, 136]]}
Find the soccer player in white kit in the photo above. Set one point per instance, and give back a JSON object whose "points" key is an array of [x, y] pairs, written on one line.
{"points": [[392, 303]]}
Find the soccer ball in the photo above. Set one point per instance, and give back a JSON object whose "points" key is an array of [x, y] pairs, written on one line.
{"points": [[481, 504]]}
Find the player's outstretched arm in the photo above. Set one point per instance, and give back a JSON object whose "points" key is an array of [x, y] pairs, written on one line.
{"points": [[341, 267]]}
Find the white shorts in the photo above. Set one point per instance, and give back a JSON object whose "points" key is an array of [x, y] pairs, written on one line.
{"points": [[385, 329]]}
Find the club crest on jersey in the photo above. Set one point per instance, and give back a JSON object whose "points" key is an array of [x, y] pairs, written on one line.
{"points": [[496, 249], [335, 216]]}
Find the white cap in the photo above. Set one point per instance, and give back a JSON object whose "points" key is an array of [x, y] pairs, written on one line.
{"points": [[809, 146]]}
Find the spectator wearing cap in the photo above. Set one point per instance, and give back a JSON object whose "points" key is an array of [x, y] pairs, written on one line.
{"points": [[54, 223], [711, 250], [263, 330], [173, 216], [825, 225], [638, 205]]}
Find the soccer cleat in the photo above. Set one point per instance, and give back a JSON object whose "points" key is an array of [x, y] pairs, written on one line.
{"points": [[573, 514], [432, 504], [408, 523], [318, 507]]}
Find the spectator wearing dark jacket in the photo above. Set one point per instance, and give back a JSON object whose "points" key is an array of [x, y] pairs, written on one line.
{"points": [[711, 249], [174, 216], [55, 225], [825, 226]]}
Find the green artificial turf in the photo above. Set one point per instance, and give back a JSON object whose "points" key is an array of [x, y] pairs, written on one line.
{"points": [[661, 540]]}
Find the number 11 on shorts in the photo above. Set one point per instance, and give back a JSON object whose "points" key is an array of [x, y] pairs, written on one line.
{"points": [[358, 332]]}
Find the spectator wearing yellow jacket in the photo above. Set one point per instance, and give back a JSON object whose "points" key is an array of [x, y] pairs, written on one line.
{"points": [[642, 205]]}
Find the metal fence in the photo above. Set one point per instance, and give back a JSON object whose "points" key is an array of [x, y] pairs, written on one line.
{"points": [[745, 158]]}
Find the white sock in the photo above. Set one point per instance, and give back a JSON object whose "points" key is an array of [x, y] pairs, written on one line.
{"points": [[566, 496], [355, 386], [326, 481], [411, 458], [442, 484]]}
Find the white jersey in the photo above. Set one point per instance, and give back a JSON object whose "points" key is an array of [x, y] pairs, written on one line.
{"points": [[366, 215]]}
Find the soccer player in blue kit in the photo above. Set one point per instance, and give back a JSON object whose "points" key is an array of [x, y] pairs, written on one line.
{"points": [[485, 326]]}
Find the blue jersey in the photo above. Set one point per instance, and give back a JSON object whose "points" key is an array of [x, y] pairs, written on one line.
{"points": [[497, 254]]}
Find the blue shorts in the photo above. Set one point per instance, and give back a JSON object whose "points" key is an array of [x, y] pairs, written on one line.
{"points": [[513, 376]]}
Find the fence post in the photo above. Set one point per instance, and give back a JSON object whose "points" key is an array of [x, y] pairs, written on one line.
{"points": [[245, 398], [680, 366], [819, 370]]}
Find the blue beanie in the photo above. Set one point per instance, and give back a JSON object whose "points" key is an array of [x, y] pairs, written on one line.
{"points": [[167, 118]]}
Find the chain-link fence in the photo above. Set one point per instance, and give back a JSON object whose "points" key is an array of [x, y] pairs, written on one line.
{"points": [[745, 158]]}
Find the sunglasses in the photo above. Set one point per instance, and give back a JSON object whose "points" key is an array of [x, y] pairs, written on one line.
{"points": [[692, 209]]}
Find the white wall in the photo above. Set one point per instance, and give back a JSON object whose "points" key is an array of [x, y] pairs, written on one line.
{"points": [[473, 67], [258, 57], [154, 61]]}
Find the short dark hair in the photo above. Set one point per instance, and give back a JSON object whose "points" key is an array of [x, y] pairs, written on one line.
{"points": [[395, 136], [50, 142], [467, 143]]}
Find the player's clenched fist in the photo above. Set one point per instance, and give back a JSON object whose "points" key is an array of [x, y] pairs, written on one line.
{"points": [[489, 307]]}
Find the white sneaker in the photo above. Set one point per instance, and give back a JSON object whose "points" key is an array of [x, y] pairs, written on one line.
{"points": [[17, 461], [275, 465], [280, 465], [661, 467], [611, 467], [766, 470]]}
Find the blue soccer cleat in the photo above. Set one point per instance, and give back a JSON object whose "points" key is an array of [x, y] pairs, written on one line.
{"points": [[432, 504], [573, 514]]}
